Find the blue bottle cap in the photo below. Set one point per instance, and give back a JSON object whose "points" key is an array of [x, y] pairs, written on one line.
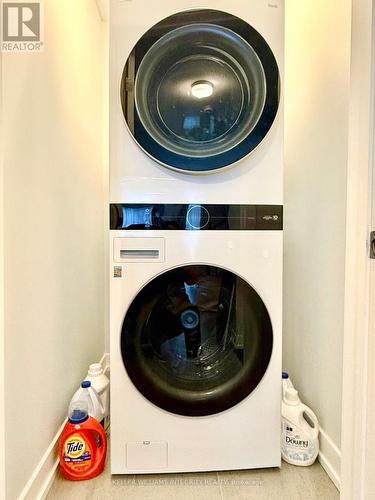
{"points": [[78, 416], [85, 384], [285, 375]]}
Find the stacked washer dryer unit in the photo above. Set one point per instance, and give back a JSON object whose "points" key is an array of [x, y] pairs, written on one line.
{"points": [[196, 152]]}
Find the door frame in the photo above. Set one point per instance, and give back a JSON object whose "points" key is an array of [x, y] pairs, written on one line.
{"points": [[359, 325], [2, 331]]}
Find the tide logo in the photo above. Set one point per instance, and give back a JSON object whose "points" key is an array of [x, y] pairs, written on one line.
{"points": [[75, 447]]}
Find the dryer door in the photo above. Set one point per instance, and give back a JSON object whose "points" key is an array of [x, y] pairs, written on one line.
{"points": [[196, 340], [200, 90]]}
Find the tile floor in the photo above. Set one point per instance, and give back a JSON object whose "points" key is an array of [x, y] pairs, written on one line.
{"points": [[287, 483]]}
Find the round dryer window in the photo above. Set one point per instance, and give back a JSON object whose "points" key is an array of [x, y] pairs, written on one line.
{"points": [[196, 340], [200, 90]]}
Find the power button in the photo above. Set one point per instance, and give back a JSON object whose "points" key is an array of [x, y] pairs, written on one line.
{"points": [[198, 217]]}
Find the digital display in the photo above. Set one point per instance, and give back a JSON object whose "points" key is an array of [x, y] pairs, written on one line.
{"points": [[196, 217]]}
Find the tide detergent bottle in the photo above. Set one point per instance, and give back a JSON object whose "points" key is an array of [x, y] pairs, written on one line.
{"points": [[83, 444]]}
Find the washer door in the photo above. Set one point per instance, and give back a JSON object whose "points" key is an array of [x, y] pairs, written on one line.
{"points": [[200, 90], [196, 340]]}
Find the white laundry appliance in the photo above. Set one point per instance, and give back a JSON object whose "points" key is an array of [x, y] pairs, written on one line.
{"points": [[196, 111], [196, 318]]}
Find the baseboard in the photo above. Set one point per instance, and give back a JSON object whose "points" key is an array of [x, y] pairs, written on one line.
{"points": [[330, 458], [41, 479]]}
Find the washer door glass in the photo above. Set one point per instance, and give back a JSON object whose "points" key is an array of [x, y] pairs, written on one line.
{"points": [[200, 90], [200, 95], [196, 340]]}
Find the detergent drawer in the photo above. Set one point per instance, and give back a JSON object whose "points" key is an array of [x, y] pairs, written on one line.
{"points": [[133, 249]]}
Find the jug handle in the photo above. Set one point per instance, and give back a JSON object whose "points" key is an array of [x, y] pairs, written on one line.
{"points": [[312, 417], [102, 449]]}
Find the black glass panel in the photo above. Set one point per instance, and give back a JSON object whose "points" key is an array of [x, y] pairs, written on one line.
{"points": [[196, 217], [196, 340]]}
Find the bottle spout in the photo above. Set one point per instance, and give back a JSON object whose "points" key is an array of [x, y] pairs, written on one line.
{"points": [[291, 397]]}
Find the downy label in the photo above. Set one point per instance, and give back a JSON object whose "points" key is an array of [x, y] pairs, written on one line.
{"points": [[294, 446]]}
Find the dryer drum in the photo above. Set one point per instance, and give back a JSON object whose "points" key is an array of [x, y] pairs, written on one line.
{"points": [[196, 340], [200, 90]]}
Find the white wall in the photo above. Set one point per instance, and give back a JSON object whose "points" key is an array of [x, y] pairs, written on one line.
{"points": [[53, 227], [317, 90], [358, 440]]}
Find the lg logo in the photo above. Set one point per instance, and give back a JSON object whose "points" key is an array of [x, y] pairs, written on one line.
{"points": [[21, 26]]}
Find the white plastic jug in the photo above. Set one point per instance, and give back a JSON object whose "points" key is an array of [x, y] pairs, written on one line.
{"points": [[100, 383], [89, 394], [299, 430], [286, 384]]}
